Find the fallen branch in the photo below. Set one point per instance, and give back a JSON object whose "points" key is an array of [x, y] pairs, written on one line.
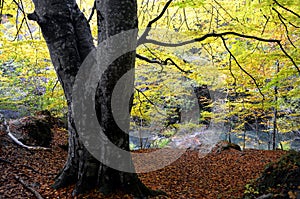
{"points": [[18, 142], [37, 194]]}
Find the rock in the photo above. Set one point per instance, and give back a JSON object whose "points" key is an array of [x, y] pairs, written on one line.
{"points": [[53, 121], [225, 145], [266, 196], [32, 131]]}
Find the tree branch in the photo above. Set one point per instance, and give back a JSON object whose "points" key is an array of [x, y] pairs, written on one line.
{"points": [[37, 194], [209, 35], [231, 73], [92, 12], [294, 13], [161, 62], [199, 39], [18, 142], [24, 14], [146, 32], [141, 92], [150, 101], [281, 18], [290, 58], [254, 80]]}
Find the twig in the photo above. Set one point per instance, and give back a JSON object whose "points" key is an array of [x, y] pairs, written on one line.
{"points": [[146, 32], [185, 19], [52, 90], [264, 28], [141, 92], [225, 10], [24, 14], [150, 101], [232, 75], [37, 194]]}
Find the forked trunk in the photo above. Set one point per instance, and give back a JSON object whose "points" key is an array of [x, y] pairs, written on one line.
{"points": [[69, 40]]}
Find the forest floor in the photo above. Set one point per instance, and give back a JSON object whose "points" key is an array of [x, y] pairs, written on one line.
{"points": [[192, 176]]}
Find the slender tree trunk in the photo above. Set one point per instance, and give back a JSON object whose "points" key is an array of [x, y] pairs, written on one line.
{"points": [[275, 111], [69, 40]]}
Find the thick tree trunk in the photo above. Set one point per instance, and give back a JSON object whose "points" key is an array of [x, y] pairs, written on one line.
{"points": [[69, 40]]}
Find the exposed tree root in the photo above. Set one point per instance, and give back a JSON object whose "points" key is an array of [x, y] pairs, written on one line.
{"points": [[37, 194]]}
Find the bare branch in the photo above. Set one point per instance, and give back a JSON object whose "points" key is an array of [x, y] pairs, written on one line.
{"points": [[236, 61], [294, 13], [185, 19], [141, 92], [233, 76], [19, 28], [294, 25], [145, 34], [264, 28]]}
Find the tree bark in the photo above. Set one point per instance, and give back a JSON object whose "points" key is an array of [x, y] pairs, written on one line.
{"points": [[69, 40]]}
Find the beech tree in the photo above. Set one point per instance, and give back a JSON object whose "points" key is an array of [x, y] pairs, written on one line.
{"points": [[242, 48], [69, 40]]}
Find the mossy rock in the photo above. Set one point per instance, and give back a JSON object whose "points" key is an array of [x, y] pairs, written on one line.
{"points": [[281, 178]]}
